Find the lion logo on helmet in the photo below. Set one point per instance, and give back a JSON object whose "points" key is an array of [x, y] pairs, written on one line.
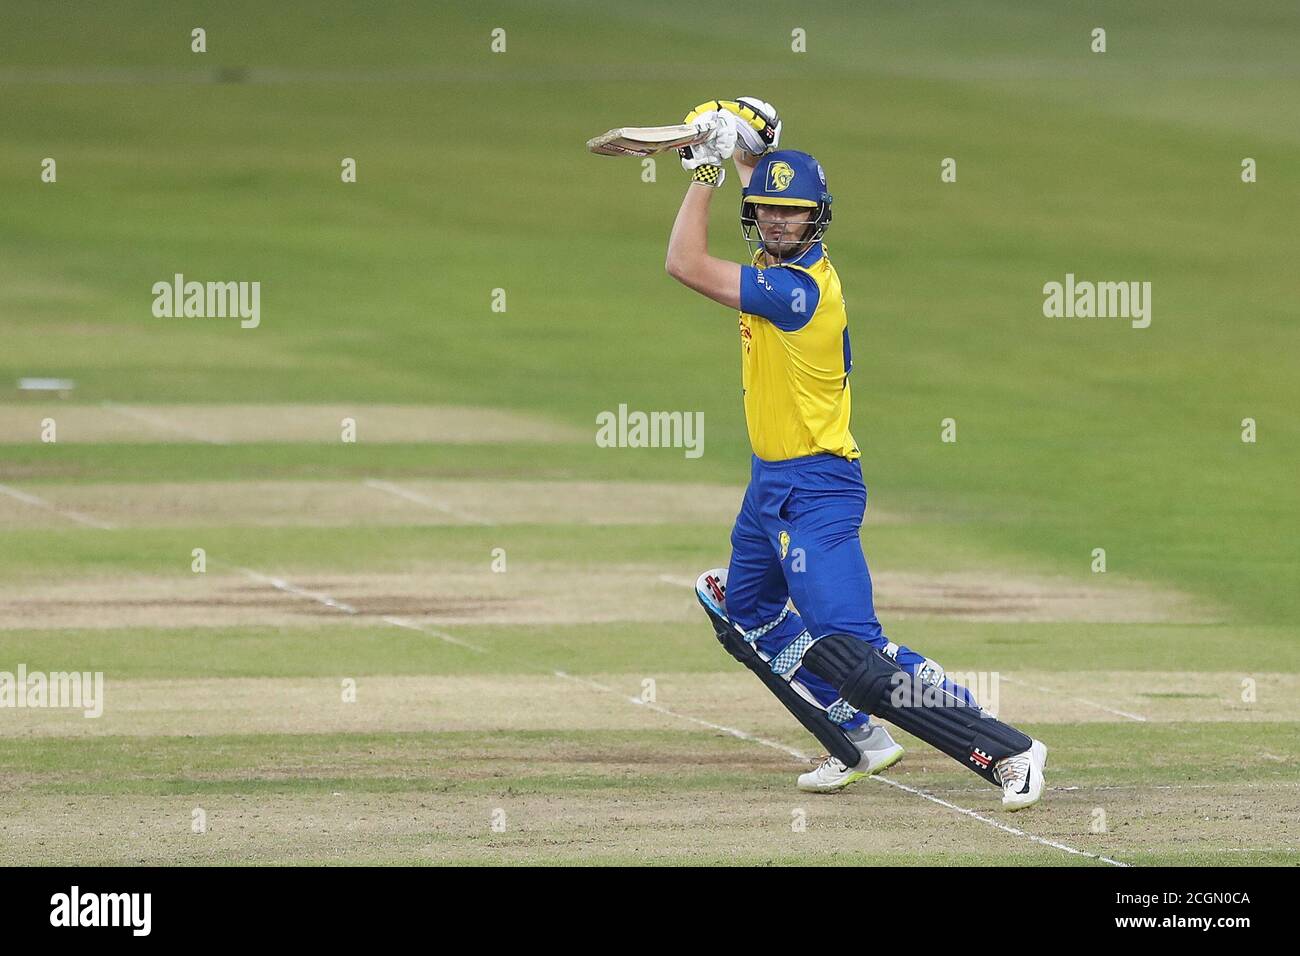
{"points": [[779, 177]]}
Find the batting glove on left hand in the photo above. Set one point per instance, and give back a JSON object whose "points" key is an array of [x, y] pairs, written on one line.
{"points": [[757, 122], [705, 159]]}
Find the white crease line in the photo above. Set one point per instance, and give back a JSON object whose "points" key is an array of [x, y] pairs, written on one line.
{"points": [[673, 579], [879, 777], [443, 635], [424, 500], [994, 823], [157, 421], [1057, 693], [68, 513], [695, 720], [282, 585]]}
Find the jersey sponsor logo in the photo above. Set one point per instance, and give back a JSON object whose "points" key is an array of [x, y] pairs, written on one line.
{"points": [[779, 177]]}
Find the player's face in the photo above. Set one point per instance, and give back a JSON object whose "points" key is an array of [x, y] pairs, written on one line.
{"points": [[782, 228]]}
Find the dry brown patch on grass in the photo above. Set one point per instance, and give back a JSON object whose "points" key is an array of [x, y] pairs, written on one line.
{"points": [[432, 595], [544, 702], [646, 817], [313, 705], [1037, 697], [528, 595], [584, 502], [870, 821], [991, 596], [1190, 821], [360, 503], [1162, 696], [234, 504], [703, 825], [19, 515], [233, 424], [639, 820], [216, 600]]}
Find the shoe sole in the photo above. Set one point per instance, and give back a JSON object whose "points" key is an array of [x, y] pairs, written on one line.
{"points": [[895, 755]]}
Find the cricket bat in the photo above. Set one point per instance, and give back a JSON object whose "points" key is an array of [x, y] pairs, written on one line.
{"points": [[645, 140]]}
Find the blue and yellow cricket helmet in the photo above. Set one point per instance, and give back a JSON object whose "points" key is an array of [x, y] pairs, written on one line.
{"points": [[787, 177]]}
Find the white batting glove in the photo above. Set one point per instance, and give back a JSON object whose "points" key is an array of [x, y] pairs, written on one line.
{"points": [[714, 151], [760, 126], [757, 123]]}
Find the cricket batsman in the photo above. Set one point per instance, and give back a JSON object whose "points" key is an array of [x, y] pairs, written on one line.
{"points": [[795, 604]]}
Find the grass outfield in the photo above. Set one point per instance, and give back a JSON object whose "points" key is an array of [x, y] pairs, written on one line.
{"points": [[517, 696]]}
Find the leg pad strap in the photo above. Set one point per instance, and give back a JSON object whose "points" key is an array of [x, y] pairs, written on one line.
{"points": [[813, 718], [872, 681]]}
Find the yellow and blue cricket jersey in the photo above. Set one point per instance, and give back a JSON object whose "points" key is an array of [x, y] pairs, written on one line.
{"points": [[803, 507], [796, 359], [797, 571]]}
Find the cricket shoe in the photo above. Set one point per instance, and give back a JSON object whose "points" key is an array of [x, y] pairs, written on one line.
{"points": [[1022, 777], [878, 752]]}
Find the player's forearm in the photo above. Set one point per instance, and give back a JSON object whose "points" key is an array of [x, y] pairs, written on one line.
{"points": [[744, 163], [688, 244], [688, 259]]}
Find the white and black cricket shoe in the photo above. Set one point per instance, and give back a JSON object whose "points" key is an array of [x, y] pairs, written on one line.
{"points": [[879, 751], [1021, 776]]}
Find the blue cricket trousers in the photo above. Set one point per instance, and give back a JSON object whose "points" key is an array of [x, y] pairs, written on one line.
{"points": [[796, 539]]}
